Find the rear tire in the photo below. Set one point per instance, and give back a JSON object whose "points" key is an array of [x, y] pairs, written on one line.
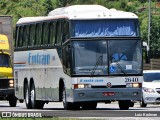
{"points": [[27, 96], [36, 104], [124, 104]]}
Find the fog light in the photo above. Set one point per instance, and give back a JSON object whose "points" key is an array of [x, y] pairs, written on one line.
{"points": [[135, 93], [81, 94]]}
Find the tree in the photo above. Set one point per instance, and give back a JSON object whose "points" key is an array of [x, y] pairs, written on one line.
{"points": [[154, 37]]}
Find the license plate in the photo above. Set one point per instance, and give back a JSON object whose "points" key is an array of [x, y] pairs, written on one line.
{"points": [[108, 93]]}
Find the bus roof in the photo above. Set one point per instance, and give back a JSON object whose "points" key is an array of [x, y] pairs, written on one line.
{"points": [[82, 12]]}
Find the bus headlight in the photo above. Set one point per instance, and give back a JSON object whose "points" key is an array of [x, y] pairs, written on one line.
{"points": [[134, 85], [82, 86], [11, 83]]}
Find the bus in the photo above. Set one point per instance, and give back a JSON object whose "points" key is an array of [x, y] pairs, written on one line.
{"points": [[67, 56], [6, 72]]}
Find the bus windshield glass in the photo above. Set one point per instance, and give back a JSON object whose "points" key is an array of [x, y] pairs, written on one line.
{"points": [[95, 58], [5, 60], [90, 57], [125, 56], [105, 28]]}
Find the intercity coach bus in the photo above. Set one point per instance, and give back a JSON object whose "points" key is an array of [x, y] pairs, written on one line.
{"points": [[67, 56]]}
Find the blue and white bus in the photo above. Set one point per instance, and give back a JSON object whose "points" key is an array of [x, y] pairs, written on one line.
{"points": [[67, 56]]}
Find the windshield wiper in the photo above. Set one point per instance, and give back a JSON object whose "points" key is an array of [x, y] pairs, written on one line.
{"points": [[119, 65], [96, 65]]}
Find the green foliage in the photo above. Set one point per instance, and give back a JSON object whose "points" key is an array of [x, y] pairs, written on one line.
{"points": [[155, 37]]}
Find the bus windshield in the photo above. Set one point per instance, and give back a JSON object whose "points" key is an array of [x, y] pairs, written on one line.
{"points": [[105, 28], [125, 56], [5, 60], [95, 58]]}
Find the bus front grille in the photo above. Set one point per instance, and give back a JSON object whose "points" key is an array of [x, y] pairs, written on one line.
{"points": [[3, 83]]}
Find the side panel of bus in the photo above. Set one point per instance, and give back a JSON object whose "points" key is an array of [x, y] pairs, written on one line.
{"points": [[44, 68]]}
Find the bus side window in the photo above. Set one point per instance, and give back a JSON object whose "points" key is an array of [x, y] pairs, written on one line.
{"points": [[17, 36], [25, 35], [45, 33], [38, 34], [59, 33], [32, 35], [66, 59], [65, 31], [20, 36], [52, 29]]}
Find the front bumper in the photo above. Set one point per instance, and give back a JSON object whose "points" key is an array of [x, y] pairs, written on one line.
{"points": [[104, 94]]}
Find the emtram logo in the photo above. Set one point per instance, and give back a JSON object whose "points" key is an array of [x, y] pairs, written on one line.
{"points": [[6, 114]]}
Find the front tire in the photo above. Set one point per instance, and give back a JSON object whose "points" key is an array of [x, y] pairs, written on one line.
{"points": [[69, 105], [12, 101], [124, 104]]}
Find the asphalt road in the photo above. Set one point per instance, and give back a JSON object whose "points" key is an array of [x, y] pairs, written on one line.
{"points": [[103, 111]]}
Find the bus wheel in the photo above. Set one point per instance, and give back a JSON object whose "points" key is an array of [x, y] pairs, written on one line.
{"points": [[67, 105], [142, 104], [36, 104], [12, 101], [27, 96], [124, 104], [33, 96], [89, 106]]}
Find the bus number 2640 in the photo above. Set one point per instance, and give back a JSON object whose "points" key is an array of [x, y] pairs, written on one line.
{"points": [[131, 79]]}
